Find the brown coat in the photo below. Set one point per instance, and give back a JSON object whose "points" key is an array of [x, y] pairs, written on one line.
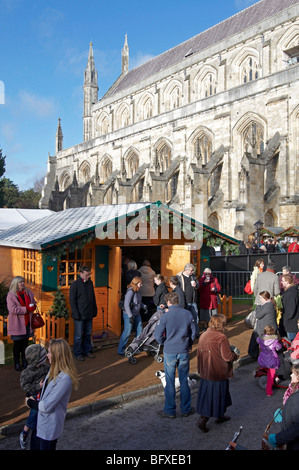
{"points": [[214, 356]]}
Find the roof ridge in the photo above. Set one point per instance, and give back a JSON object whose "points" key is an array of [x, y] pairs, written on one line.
{"points": [[122, 79]]}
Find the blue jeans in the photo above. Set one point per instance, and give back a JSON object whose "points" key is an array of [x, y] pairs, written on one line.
{"points": [[194, 310], [82, 337], [291, 336], [181, 361], [127, 331]]}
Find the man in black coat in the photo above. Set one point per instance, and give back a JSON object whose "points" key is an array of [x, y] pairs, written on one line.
{"points": [[175, 286], [290, 302], [84, 309]]}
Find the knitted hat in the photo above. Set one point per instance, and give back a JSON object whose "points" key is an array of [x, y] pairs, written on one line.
{"points": [[42, 356]]}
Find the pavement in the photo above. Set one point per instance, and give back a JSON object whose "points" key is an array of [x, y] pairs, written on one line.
{"points": [[109, 380]]}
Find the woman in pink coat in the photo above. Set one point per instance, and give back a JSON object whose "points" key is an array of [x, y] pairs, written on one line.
{"points": [[209, 288], [20, 304]]}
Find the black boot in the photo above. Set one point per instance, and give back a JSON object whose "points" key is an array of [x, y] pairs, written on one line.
{"points": [[202, 422]]}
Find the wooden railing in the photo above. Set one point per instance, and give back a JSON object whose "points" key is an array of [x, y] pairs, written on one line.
{"points": [[53, 328], [226, 306]]}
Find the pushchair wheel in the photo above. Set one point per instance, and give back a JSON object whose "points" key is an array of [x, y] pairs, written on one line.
{"points": [[128, 352], [132, 360], [159, 358], [263, 381]]}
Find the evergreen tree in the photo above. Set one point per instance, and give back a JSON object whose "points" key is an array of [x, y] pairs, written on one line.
{"points": [[59, 308]]}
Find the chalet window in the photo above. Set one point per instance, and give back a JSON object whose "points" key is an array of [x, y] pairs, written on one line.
{"points": [[29, 267], [68, 268]]}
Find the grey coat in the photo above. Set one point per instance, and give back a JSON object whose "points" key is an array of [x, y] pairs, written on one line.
{"points": [[52, 407], [266, 281], [265, 315]]}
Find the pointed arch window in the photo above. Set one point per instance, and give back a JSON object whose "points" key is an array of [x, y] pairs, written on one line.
{"points": [[163, 157], [175, 98], [65, 181], [209, 85], [104, 126], [172, 187], [125, 118], [202, 149], [249, 70], [253, 139], [148, 109], [132, 165], [106, 170]]}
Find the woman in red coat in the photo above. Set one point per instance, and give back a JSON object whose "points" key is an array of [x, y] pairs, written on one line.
{"points": [[209, 287], [20, 305]]}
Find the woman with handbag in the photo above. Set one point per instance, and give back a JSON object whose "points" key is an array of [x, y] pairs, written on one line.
{"points": [[20, 304]]}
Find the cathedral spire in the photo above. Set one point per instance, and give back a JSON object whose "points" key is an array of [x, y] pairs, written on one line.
{"points": [[125, 57], [90, 93], [59, 137]]}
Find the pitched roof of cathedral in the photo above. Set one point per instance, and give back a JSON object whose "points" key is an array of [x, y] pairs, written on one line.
{"points": [[235, 24], [70, 223]]}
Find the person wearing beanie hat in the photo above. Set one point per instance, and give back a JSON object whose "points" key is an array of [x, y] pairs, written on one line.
{"points": [[31, 382]]}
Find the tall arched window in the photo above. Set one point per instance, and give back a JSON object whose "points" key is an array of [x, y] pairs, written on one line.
{"points": [[106, 170], [104, 126], [172, 187], [253, 139], [209, 85], [132, 165], [125, 118], [148, 109], [202, 149], [175, 98], [163, 157], [65, 181], [249, 70], [84, 172]]}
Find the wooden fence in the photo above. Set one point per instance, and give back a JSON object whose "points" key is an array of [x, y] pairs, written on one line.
{"points": [[53, 328], [226, 306], [62, 328]]}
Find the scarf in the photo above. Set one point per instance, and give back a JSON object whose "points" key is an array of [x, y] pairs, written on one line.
{"points": [[24, 300]]}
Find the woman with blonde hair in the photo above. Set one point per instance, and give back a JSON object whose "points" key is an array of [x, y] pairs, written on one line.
{"points": [[20, 305], [131, 313], [215, 365], [54, 397]]}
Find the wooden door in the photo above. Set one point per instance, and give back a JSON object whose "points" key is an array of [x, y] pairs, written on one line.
{"points": [[173, 259], [114, 289]]}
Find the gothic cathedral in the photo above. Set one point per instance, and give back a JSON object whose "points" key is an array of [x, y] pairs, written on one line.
{"points": [[213, 121]]}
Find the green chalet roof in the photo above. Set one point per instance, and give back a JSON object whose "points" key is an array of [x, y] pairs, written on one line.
{"points": [[74, 223]]}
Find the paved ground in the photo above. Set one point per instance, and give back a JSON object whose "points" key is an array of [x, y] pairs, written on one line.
{"points": [[108, 375], [134, 426]]}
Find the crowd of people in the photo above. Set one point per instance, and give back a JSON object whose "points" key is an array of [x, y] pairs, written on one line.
{"points": [[269, 245], [186, 301]]}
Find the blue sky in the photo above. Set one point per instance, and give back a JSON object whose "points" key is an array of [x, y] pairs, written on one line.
{"points": [[44, 50]]}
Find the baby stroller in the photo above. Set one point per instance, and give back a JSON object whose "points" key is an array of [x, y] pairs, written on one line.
{"points": [[282, 376], [146, 341]]}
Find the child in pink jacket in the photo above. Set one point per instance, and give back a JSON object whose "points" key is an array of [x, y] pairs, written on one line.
{"points": [[268, 357]]}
